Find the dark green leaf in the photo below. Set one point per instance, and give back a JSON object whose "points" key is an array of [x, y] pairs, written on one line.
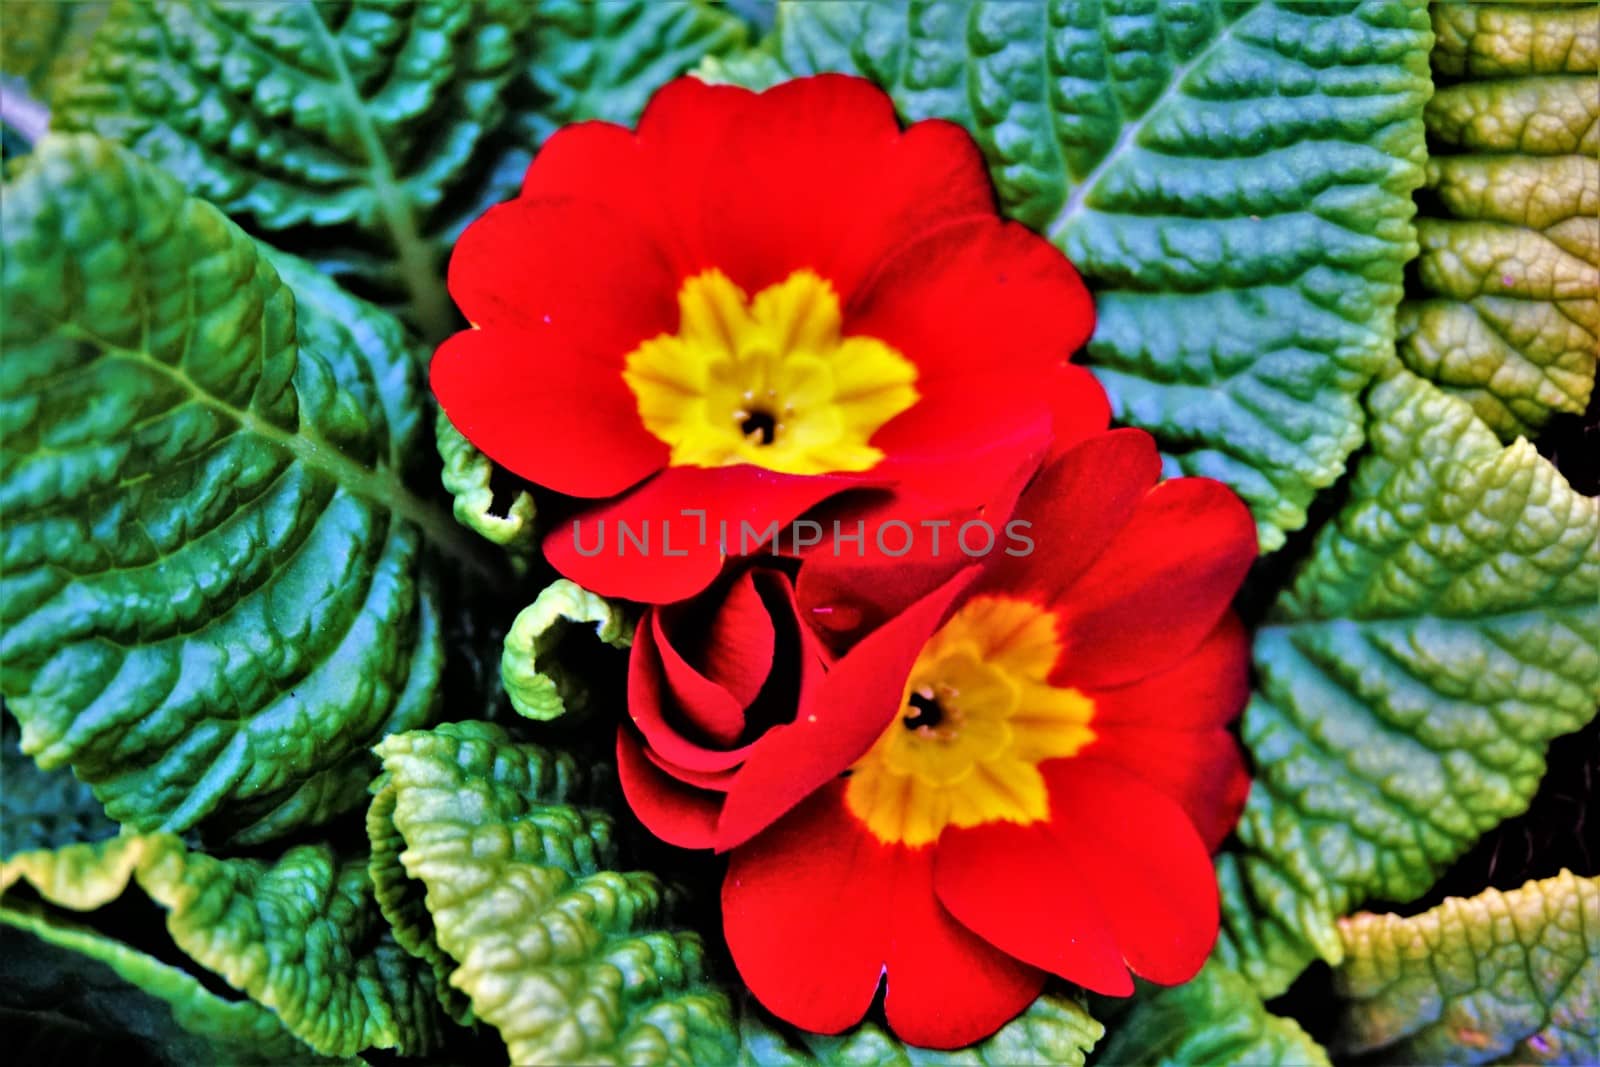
{"points": [[216, 591]]}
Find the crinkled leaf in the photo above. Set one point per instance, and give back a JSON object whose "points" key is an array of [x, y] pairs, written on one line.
{"points": [[215, 586], [1444, 629], [403, 901], [569, 959], [604, 60], [43, 809], [301, 936], [1215, 1019], [342, 132], [1507, 314], [46, 40], [468, 478], [1500, 977], [58, 975], [536, 684], [1234, 180], [1055, 1030]]}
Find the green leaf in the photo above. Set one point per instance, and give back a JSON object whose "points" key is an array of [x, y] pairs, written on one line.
{"points": [[468, 477], [344, 134], [40, 809], [569, 959], [59, 976], [1445, 627], [538, 687], [1507, 314], [604, 60], [1054, 1030], [301, 936], [217, 590], [1215, 1019], [1234, 181], [1500, 977], [46, 40]]}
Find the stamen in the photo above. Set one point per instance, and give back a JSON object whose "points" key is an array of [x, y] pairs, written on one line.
{"points": [[928, 712], [758, 426]]}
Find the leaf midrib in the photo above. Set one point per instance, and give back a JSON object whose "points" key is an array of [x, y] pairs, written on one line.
{"points": [[1129, 134], [306, 446], [428, 299]]}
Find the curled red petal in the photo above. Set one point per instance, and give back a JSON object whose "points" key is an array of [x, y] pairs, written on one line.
{"points": [[675, 811]]}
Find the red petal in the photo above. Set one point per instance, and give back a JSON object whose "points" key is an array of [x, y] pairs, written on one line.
{"points": [[1205, 689], [677, 563], [816, 909], [708, 706], [1079, 407], [1180, 560], [1016, 887], [856, 700], [963, 301], [819, 168], [535, 405], [679, 814], [1203, 770], [649, 713], [1136, 849], [735, 651], [528, 264], [1074, 509]]}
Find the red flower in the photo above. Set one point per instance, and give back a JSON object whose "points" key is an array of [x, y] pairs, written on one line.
{"points": [[707, 680], [751, 304], [1036, 790]]}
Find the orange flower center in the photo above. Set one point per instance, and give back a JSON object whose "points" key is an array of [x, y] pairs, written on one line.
{"points": [[978, 717], [770, 381]]}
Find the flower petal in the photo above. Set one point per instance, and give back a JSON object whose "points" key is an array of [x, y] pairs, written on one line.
{"points": [[1180, 559], [683, 512], [568, 263], [820, 169], [707, 706], [1074, 509], [736, 646], [497, 384], [1203, 770], [1136, 849], [1016, 887], [816, 910], [674, 811], [857, 698], [650, 713]]}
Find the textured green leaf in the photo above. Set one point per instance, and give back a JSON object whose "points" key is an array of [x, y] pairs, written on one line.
{"points": [[1055, 1030], [1508, 312], [1445, 627], [52, 973], [1500, 977], [538, 687], [468, 475], [301, 936], [216, 589], [43, 809], [46, 40], [566, 957], [1215, 1019], [1234, 180], [340, 131], [604, 60]]}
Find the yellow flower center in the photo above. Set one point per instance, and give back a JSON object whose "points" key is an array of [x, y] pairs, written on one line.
{"points": [[769, 381], [978, 717]]}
